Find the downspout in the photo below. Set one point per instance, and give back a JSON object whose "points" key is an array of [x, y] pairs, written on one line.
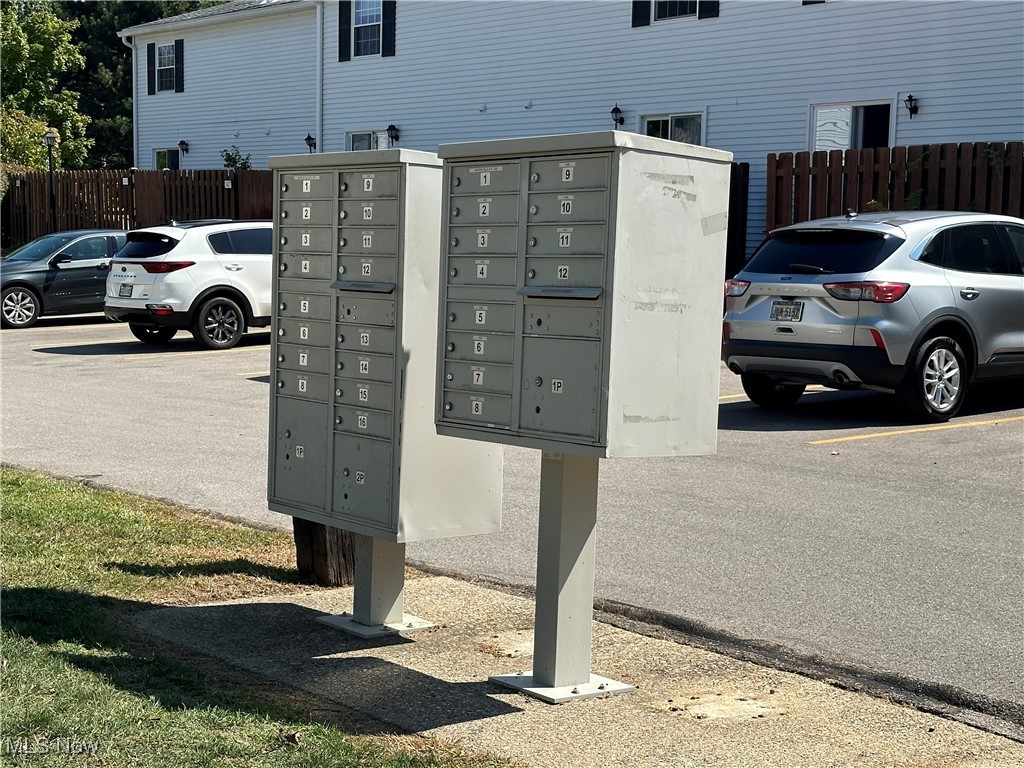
{"points": [[319, 117], [130, 42]]}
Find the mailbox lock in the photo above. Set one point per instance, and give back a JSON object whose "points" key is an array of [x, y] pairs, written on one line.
{"points": [[280, 331], [342, 242], [284, 267], [451, 318], [456, 182], [340, 366], [337, 393], [535, 178], [287, 433], [341, 270], [280, 358], [284, 214], [280, 385], [341, 338], [538, 381], [450, 377], [453, 272], [455, 241], [532, 273], [284, 187], [343, 214], [533, 241], [447, 406], [282, 306], [344, 472], [451, 347], [455, 211], [284, 240], [533, 209], [337, 419], [344, 186]]}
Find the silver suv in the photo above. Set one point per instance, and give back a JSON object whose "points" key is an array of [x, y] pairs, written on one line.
{"points": [[916, 303], [211, 278]]}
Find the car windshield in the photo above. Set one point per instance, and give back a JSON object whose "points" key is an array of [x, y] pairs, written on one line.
{"points": [[39, 248], [145, 245], [822, 252]]}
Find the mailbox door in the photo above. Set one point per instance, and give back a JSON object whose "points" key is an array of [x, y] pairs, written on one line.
{"points": [[561, 382], [362, 480], [300, 452]]}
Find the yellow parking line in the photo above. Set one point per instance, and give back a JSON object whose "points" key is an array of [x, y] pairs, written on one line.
{"points": [[934, 428], [813, 389]]}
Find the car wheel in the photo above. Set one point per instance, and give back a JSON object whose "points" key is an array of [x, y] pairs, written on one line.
{"points": [[936, 382], [219, 324], [152, 334], [20, 308], [770, 394]]}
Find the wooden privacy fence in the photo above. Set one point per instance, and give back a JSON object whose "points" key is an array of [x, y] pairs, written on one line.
{"points": [[982, 176], [131, 199]]}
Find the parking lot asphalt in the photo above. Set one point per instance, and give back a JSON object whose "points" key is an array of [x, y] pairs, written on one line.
{"points": [[836, 534]]}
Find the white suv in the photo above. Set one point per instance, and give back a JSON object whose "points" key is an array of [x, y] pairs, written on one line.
{"points": [[208, 277]]}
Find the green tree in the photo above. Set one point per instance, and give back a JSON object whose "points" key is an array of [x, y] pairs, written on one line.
{"points": [[36, 56]]}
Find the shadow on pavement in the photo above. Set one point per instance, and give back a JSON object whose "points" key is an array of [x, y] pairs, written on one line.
{"points": [[183, 342]]}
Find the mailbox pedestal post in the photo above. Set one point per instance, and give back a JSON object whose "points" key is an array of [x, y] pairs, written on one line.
{"points": [[566, 545]]}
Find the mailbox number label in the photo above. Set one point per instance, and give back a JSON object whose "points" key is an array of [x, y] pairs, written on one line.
{"points": [[364, 338], [485, 178], [360, 477], [367, 240], [364, 394], [478, 346], [300, 452], [361, 420], [303, 359], [306, 212], [565, 205], [478, 376], [366, 268], [564, 239], [568, 173], [307, 185], [481, 316], [364, 367], [481, 239], [304, 332], [305, 239], [368, 184], [304, 265], [485, 209], [476, 406], [367, 212], [304, 306], [563, 272], [481, 271], [302, 385], [557, 386]]}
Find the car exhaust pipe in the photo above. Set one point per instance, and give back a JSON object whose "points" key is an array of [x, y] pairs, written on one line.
{"points": [[841, 378], [735, 368]]}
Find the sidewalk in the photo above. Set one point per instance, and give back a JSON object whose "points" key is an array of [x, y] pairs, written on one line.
{"points": [[692, 707]]}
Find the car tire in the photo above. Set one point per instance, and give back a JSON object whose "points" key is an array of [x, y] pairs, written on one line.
{"points": [[766, 393], [936, 381], [219, 324], [152, 334], [20, 308]]}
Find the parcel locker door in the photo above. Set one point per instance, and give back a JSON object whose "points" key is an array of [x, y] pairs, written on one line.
{"points": [[560, 386], [300, 452], [362, 480]]}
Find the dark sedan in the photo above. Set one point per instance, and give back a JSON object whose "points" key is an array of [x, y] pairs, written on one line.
{"points": [[62, 273]]}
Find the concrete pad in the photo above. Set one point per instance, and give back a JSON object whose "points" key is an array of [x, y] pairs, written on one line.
{"points": [[692, 707]]}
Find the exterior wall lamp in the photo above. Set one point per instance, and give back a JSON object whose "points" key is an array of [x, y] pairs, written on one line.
{"points": [[183, 146], [617, 117], [911, 104], [310, 142], [392, 133]]}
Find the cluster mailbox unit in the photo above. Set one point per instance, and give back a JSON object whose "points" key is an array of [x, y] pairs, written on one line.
{"points": [[581, 312], [352, 442]]}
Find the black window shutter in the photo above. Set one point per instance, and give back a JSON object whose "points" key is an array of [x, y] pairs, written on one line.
{"points": [[387, 28], [707, 9], [345, 30], [641, 13], [151, 68], [179, 66]]}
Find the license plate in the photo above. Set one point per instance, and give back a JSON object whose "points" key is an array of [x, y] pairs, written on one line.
{"points": [[125, 291], [791, 311]]}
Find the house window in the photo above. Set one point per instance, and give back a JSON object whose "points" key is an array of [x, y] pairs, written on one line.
{"points": [[165, 67], [646, 11], [168, 159], [366, 27], [362, 140], [685, 128], [671, 9], [851, 126]]}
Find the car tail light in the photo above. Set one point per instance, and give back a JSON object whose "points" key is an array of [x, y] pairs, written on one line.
{"points": [[160, 267], [880, 293], [736, 287], [161, 310]]}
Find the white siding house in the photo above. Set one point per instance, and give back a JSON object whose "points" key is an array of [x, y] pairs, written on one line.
{"points": [[748, 76]]}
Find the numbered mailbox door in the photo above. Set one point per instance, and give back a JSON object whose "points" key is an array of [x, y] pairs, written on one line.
{"points": [[561, 382]]}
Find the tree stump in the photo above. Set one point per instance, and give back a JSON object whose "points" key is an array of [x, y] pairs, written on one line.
{"points": [[324, 553]]}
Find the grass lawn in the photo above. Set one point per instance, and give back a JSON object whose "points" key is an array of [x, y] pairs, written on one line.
{"points": [[81, 687]]}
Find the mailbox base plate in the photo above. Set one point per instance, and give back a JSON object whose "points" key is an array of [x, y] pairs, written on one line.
{"points": [[597, 686], [347, 623]]}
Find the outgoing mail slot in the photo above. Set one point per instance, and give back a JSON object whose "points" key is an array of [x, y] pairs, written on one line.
{"points": [[365, 366], [368, 213], [561, 379], [483, 239], [369, 338], [314, 266], [307, 386], [366, 240], [469, 270], [362, 421], [364, 394], [569, 173], [482, 178], [484, 209], [567, 207], [569, 272], [368, 184], [307, 213], [571, 240], [493, 410], [361, 309], [480, 316], [303, 305], [302, 239], [478, 377], [580, 319], [362, 480], [305, 185], [294, 357], [482, 347], [316, 333], [368, 269]]}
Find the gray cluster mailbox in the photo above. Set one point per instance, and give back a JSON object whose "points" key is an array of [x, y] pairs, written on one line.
{"points": [[581, 311], [581, 301], [352, 441]]}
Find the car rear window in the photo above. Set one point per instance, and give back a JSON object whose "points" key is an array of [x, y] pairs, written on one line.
{"points": [[145, 245], [822, 251], [243, 241]]}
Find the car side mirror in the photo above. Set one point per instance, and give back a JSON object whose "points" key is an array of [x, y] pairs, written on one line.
{"points": [[61, 258]]}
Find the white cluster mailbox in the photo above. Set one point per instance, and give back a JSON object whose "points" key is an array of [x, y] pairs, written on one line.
{"points": [[352, 441], [581, 303], [581, 312]]}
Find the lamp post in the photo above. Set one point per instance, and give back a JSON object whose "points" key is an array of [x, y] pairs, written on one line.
{"points": [[51, 138]]}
